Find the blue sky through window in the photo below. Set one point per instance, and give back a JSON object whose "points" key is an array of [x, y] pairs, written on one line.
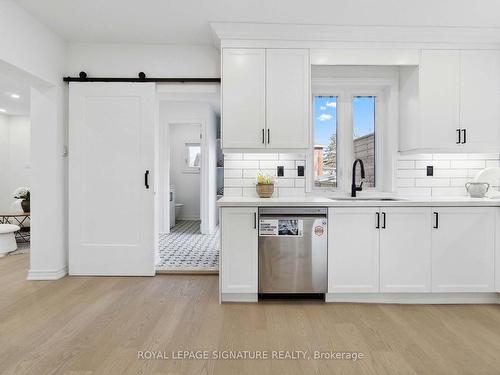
{"points": [[325, 121]]}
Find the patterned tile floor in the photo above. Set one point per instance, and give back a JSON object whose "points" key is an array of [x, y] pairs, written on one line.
{"points": [[186, 249]]}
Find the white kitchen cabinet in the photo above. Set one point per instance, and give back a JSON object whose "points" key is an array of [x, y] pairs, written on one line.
{"points": [[405, 249], [480, 100], [265, 99], [239, 242], [243, 98], [353, 250], [463, 248], [451, 103], [287, 98]]}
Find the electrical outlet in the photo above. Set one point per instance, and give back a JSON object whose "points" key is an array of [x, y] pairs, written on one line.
{"points": [[430, 170], [300, 170], [281, 171]]}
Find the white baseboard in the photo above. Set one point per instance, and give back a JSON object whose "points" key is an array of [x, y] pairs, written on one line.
{"points": [[239, 297], [188, 218], [47, 274], [415, 298]]}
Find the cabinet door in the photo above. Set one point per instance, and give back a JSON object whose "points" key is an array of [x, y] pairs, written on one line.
{"points": [[405, 249], [239, 250], [439, 99], [287, 98], [243, 98], [463, 246], [353, 250], [480, 99]]}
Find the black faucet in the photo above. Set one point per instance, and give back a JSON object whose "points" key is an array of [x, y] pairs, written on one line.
{"points": [[355, 188]]}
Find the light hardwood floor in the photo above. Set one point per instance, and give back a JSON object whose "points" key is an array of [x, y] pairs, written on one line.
{"points": [[85, 325]]}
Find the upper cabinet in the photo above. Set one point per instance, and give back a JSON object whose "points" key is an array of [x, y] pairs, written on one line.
{"points": [[265, 98], [243, 98], [451, 102]]}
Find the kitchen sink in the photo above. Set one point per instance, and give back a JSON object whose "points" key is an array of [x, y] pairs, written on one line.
{"points": [[364, 199]]}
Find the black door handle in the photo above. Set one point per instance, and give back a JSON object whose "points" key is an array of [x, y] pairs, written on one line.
{"points": [[383, 220], [378, 220], [263, 136], [465, 136], [254, 220], [459, 137], [436, 222], [268, 136], [146, 179]]}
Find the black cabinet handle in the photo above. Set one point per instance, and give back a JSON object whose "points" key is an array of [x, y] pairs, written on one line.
{"points": [[146, 179], [268, 136], [254, 220], [378, 220], [263, 136], [436, 220], [464, 135], [383, 220], [459, 137]]}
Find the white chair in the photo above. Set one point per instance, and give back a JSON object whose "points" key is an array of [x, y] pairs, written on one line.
{"points": [[8, 238]]}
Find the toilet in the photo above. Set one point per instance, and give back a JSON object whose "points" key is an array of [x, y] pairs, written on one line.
{"points": [[178, 209], [7, 238]]}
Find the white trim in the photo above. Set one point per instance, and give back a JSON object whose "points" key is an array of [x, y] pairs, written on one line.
{"points": [[415, 298], [316, 36], [239, 297], [47, 274]]}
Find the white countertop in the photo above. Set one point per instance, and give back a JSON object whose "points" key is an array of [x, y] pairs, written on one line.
{"points": [[323, 201]]}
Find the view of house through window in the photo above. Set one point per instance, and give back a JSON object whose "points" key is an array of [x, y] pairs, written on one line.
{"points": [[325, 141], [363, 127]]}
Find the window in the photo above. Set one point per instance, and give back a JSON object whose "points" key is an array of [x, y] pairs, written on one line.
{"points": [[325, 141], [193, 156], [344, 130], [363, 135]]}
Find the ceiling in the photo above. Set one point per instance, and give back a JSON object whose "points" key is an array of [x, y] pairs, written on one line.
{"points": [[187, 21], [13, 106]]}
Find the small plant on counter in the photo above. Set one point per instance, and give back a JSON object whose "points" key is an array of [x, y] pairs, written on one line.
{"points": [[265, 185]]}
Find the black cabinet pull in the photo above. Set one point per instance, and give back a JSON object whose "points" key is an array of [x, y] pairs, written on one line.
{"points": [[378, 220], [436, 220], [459, 137], [383, 220], [146, 179], [268, 136], [254, 220], [464, 136], [263, 136]]}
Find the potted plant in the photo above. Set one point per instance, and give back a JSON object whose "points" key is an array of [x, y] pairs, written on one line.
{"points": [[23, 193], [264, 186]]}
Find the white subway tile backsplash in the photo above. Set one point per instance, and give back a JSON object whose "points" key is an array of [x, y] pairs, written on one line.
{"points": [[451, 173], [469, 164], [241, 171], [233, 156], [437, 164], [241, 164], [260, 156]]}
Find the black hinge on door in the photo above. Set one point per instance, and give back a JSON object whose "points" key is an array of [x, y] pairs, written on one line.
{"points": [[459, 137], [465, 136], [436, 222], [146, 179]]}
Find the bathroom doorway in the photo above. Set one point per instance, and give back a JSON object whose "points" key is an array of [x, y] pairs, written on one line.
{"points": [[188, 216]]}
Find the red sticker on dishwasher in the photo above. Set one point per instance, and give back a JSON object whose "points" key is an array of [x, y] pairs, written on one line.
{"points": [[318, 231]]}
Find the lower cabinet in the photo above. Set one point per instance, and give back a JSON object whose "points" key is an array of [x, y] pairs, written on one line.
{"points": [[463, 249], [239, 256], [353, 250], [405, 249]]}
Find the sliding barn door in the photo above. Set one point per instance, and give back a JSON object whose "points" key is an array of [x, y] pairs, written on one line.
{"points": [[111, 150]]}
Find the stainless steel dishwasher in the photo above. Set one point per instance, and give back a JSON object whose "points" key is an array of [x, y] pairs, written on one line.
{"points": [[292, 251]]}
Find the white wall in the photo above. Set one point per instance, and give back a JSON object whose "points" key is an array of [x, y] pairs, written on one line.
{"points": [[187, 185], [156, 60], [36, 56], [15, 147]]}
